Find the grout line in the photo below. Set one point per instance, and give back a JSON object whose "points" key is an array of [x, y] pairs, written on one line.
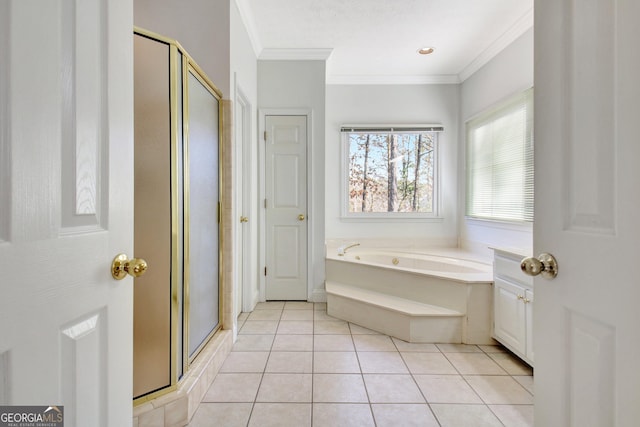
{"points": [[255, 398], [364, 383], [313, 358], [416, 383], [465, 380], [495, 415], [315, 318]]}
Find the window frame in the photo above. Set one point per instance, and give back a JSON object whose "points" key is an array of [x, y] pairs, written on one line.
{"points": [[345, 215], [524, 97]]}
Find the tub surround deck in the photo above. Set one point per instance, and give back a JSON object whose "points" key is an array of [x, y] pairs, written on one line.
{"points": [[449, 300]]}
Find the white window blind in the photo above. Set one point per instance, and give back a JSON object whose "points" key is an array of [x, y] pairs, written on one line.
{"points": [[500, 162]]}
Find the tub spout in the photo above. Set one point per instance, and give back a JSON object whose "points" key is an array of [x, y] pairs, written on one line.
{"points": [[343, 249]]}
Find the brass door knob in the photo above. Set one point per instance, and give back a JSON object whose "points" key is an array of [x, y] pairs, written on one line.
{"points": [[301, 217], [545, 265], [244, 219], [122, 265]]}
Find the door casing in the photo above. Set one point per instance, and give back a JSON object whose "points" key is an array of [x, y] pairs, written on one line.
{"points": [[245, 268]]}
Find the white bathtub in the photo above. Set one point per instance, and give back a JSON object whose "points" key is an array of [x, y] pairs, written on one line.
{"points": [[439, 265], [364, 284]]}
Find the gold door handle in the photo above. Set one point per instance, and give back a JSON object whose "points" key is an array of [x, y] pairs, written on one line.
{"points": [[122, 265], [545, 265], [301, 217], [244, 219]]}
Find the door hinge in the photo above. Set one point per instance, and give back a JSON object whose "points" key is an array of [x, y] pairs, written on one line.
{"points": [[265, 135], [265, 271], [265, 203]]}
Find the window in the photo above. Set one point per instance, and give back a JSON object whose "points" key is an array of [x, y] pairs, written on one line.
{"points": [[500, 162], [390, 171]]}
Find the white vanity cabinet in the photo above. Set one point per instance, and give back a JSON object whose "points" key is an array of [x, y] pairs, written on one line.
{"points": [[513, 304]]}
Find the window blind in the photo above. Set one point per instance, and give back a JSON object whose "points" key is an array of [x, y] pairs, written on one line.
{"points": [[500, 161], [391, 128]]}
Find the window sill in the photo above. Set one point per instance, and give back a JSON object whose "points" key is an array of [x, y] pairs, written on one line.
{"points": [[505, 225], [388, 218]]}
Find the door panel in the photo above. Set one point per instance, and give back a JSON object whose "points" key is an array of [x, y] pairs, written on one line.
{"points": [[83, 344], [286, 210], [67, 192], [510, 314], [286, 176], [590, 110], [82, 125], [286, 240], [586, 114]]}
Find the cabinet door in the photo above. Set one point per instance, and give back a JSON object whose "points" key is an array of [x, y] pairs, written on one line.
{"points": [[509, 327], [529, 323]]}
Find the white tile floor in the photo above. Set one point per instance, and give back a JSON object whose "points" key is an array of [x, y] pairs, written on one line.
{"points": [[293, 365]]}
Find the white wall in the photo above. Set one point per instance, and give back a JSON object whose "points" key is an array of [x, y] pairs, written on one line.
{"points": [[244, 75], [509, 72], [394, 104], [301, 85], [200, 26], [243, 60], [213, 33]]}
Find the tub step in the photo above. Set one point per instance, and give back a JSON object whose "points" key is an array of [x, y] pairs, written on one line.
{"points": [[390, 302], [398, 317]]}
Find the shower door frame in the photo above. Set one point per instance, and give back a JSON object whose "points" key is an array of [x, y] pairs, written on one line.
{"points": [[180, 65]]}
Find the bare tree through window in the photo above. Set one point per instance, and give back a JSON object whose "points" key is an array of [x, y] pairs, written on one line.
{"points": [[391, 171]]}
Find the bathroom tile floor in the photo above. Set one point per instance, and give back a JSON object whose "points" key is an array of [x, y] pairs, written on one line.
{"points": [[293, 365]]}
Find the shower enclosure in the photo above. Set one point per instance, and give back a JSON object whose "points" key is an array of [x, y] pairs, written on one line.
{"points": [[177, 304]]}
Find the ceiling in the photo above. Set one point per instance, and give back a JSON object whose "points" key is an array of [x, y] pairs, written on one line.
{"points": [[376, 41]]}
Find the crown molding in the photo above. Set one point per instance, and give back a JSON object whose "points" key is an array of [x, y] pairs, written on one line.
{"points": [[295, 54], [391, 80], [516, 30], [250, 25]]}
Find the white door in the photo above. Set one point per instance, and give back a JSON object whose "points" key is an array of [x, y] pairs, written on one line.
{"points": [[244, 278], [587, 93], [286, 207], [66, 187], [239, 167]]}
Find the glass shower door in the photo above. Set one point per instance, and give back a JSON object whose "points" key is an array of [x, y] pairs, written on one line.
{"points": [[202, 211], [177, 213]]}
